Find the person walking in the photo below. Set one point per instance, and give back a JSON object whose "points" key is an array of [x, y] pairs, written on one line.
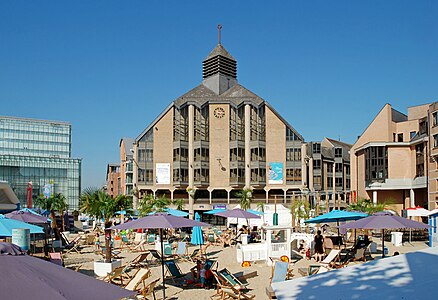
{"points": [[319, 246]]}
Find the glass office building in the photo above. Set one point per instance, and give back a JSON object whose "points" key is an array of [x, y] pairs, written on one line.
{"points": [[39, 152]]}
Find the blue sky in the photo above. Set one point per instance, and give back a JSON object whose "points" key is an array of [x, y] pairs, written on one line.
{"points": [[110, 67]]}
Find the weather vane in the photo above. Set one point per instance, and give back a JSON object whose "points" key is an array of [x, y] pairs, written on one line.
{"points": [[219, 27]]}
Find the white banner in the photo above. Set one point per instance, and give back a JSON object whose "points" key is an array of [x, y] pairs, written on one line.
{"points": [[162, 173]]}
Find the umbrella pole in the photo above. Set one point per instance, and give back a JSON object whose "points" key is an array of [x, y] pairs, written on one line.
{"points": [[162, 263], [383, 243], [339, 235]]}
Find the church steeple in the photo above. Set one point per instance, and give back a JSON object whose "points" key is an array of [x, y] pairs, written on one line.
{"points": [[219, 69]]}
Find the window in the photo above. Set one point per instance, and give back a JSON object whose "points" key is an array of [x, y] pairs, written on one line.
{"points": [[330, 167], [435, 118], [330, 183], [316, 148], [317, 164], [338, 182], [400, 137], [338, 152], [376, 164], [435, 140], [413, 134], [338, 167], [317, 180]]}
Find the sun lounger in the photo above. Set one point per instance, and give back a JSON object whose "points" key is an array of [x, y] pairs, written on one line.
{"points": [[141, 247], [281, 271], [140, 277], [173, 270], [233, 292], [149, 289]]}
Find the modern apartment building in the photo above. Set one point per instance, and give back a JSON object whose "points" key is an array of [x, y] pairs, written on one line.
{"points": [[394, 160], [216, 140], [328, 171], [113, 180], [35, 154], [126, 166]]}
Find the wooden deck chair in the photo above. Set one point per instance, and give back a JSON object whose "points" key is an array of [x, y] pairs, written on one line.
{"points": [[56, 258], [140, 247], [331, 258], [155, 254], [230, 278], [139, 261], [124, 243], [360, 254], [180, 250], [116, 274], [139, 278], [192, 257], [151, 238], [149, 289], [281, 272], [173, 270], [73, 245], [232, 292]]}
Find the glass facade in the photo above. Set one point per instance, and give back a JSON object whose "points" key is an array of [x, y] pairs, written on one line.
{"points": [[39, 152]]}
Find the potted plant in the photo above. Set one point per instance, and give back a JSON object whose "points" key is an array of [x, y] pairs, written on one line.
{"points": [[99, 204]]}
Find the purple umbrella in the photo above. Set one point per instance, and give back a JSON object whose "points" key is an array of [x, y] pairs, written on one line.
{"points": [[27, 277], [384, 221], [27, 217], [160, 221], [11, 249], [237, 213]]}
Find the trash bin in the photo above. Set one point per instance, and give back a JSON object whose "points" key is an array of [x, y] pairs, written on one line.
{"points": [[244, 238], [396, 238]]}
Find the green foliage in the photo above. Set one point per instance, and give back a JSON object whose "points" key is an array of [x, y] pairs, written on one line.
{"points": [[300, 209], [179, 203], [261, 206], [245, 198], [150, 204], [99, 204], [57, 202], [367, 206]]}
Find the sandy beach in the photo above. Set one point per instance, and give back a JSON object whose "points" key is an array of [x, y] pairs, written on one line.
{"points": [[226, 258]]}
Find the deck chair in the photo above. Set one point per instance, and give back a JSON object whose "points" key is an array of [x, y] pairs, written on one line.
{"points": [[149, 289], [155, 254], [114, 253], [139, 278], [151, 238], [173, 270], [140, 247], [230, 278], [139, 261], [124, 243], [117, 274], [192, 257], [360, 255], [331, 258], [56, 258], [180, 250], [281, 272], [232, 292]]}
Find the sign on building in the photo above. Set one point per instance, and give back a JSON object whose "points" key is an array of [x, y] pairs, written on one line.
{"points": [[275, 173], [162, 173]]}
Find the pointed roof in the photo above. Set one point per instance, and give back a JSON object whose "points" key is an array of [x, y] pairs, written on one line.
{"points": [[220, 50]]}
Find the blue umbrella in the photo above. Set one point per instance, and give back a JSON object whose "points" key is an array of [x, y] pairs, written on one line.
{"points": [[197, 236], [337, 216], [255, 212], [120, 212], [6, 226], [173, 212], [214, 211]]}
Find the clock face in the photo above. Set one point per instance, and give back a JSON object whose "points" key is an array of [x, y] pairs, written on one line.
{"points": [[219, 112]]}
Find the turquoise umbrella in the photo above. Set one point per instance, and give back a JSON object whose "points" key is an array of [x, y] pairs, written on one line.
{"points": [[6, 226], [197, 236], [214, 211], [173, 212]]}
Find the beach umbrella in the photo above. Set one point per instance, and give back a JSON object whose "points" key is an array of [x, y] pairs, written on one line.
{"points": [[256, 212], [27, 216], [27, 277], [161, 221], [6, 226], [214, 211], [382, 221], [197, 236], [173, 212], [237, 213]]}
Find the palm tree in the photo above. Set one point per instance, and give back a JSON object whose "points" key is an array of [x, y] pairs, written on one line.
{"points": [[100, 205], [300, 209], [367, 206], [55, 203], [245, 198], [179, 203], [150, 204]]}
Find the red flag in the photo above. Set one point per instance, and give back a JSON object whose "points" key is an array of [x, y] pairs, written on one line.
{"points": [[29, 194]]}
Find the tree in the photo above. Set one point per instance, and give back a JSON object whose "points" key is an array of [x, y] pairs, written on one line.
{"points": [[100, 205], [150, 204], [367, 206], [300, 209], [245, 198], [55, 203], [261, 206], [179, 203]]}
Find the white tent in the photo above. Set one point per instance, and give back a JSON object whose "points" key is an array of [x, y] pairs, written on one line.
{"points": [[407, 276], [417, 212]]}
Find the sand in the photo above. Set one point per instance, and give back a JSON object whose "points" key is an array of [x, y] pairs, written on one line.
{"points": [[226, 258]]}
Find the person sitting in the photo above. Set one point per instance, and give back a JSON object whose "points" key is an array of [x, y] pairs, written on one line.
{"points": [[362, 242], [225, 240]]}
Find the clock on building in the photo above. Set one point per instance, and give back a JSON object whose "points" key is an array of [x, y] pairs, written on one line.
{"points": [[219, 112]]}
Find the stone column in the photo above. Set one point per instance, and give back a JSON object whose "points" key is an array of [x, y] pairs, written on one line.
{"points": [[247, 146], [375, 197], [412, 197], [191, 160]]}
